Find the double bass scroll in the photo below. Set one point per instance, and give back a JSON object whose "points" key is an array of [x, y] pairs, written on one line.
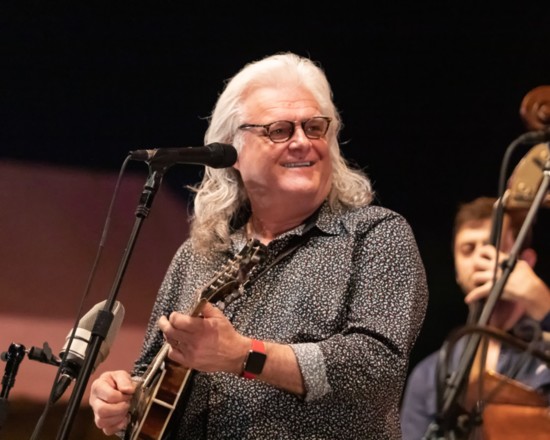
{"points": [[535, 108]]}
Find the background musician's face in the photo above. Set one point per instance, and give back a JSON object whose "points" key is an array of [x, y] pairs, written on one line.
{"points": [[475, 261], [469, 240]]}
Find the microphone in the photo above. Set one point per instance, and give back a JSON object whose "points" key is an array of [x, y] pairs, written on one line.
{"points": [[78, 346], [215, 155]]}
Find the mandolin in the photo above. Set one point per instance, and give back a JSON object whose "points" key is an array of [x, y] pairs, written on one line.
{"points": [[161, 385]]}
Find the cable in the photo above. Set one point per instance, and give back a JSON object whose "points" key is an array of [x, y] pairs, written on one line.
{"points": [[91, 276]]}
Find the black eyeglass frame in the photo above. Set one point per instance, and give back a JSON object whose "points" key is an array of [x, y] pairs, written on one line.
{"points": [[293, 124]]}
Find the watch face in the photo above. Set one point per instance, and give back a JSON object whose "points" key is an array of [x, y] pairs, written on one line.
{"points": [[255, 362]]}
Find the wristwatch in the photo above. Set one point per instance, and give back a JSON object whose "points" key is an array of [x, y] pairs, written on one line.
{"points": [[255, 360]]}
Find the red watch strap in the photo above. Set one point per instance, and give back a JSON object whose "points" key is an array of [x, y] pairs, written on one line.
{"points": [[259, 347]]}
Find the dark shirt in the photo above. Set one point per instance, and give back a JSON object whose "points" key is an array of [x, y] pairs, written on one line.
{"points": [[350, 303], [419, 406]]}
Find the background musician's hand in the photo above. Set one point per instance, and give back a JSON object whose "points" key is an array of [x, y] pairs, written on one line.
{"points": [[523, 285]]}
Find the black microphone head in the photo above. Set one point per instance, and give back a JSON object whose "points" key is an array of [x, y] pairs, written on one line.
{"points": [[215, 155], [223, 155]]}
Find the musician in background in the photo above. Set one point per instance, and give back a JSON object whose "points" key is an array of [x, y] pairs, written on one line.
{"points": [[523, 308], [330, 326]]}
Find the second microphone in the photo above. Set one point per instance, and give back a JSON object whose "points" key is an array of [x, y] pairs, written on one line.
{"points": [[215, 155]]}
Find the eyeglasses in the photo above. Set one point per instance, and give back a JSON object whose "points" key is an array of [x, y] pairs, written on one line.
{"points": [[282, 131]]}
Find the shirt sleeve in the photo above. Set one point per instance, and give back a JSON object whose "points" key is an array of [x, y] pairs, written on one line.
{"points": [[168, 299], [386, 303]]}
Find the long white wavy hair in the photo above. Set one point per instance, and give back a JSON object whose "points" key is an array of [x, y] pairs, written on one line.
{"points": [[220, 196]]}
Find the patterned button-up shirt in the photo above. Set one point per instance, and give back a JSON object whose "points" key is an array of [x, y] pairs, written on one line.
{"points": [[350, 303]]}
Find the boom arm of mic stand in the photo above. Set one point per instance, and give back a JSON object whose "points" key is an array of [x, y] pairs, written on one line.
{"points": [[103, 322], [456, 384]]}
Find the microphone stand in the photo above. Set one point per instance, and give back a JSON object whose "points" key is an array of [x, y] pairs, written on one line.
{"points": [[456, 382], [13, 357], [105, 316]]}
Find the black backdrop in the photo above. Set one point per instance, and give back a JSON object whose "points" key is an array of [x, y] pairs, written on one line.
{"points": [[429, 95]]}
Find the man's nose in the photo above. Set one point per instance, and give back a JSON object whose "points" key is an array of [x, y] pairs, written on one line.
{"points": [[299, 135]]}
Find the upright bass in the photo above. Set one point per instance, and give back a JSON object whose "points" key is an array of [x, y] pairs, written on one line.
{"points": [[508, 409]]}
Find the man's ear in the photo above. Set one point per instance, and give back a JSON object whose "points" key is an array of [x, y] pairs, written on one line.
{"points": [[529, 255]]}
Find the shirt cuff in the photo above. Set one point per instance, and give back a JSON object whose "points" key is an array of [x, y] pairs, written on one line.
{"points": [[313, 368]]}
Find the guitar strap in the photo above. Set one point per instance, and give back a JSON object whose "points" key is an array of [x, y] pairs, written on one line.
{"points": [[293, 244]]}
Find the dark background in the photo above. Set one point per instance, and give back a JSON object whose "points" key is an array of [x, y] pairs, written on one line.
{"points": [[429, 95]]}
